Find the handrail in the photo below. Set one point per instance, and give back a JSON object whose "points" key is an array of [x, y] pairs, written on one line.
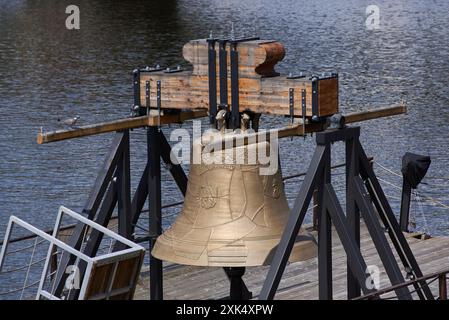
{"points": [[441, 275]]}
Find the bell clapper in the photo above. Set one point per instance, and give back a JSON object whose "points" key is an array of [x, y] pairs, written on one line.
{"points": [[244, 122], [221, 120]]}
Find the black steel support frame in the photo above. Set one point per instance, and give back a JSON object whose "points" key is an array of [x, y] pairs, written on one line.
{"points": [[405, 205], [111, 187], [155, 213], [363, 191]]}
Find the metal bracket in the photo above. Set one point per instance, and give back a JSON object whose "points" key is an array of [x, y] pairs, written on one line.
{"points": [[336, 121], [243, 39], [315, 80], [158, 104], [212, 74], [223, 71], [291, 103], [304, 111], [174, 70], [147, 96], [235, 112], [296, 76], [155, 68], [136, 110]]}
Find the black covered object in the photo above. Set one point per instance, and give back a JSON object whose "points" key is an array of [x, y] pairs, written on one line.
{"points": [[414, 168]]}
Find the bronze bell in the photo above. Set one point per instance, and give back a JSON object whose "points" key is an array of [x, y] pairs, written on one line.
{"points": [[232, 217]]}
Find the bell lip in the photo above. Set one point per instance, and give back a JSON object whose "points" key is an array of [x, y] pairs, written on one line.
{"points": [[302, 251]]}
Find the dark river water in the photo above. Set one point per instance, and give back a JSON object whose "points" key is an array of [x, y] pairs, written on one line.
{"points": [[48, 72]]}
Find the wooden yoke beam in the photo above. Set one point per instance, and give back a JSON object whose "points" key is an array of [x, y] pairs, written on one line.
{"points": [[299, 130], [118, 125], [261, 88]]}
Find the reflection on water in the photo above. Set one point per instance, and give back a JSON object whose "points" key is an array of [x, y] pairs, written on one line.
{"points": [[48, 72]]}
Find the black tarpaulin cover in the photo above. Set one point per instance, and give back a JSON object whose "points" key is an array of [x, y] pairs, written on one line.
{"points": [[414, 168]]}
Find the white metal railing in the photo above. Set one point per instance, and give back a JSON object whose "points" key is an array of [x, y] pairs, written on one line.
{"points": [[132, 250]]}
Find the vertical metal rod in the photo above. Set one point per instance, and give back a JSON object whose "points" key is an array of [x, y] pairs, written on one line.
{"points": [[235, 113], [124, 191], [291, 102], [325, 235], [315, 97], [212, 73], [405, 205], [304, 111], [155, 216], [158, 83], [147, 96], [442, 286], [352, 212], [223, 69]]}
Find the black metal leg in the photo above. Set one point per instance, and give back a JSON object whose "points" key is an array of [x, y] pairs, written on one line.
{"points": [[325, 235], [103, 217], [237, 288], [155, 218], [294, 223], [140, 196], [352, 211], [124, 191], [95, 238], [389, 220], [405, 205], [90, 209], [355, 259], [379, 239], [176, 170], [141, 193]]}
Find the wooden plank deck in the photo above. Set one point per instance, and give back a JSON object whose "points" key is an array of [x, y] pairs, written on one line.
{"points": [[300, 279]]}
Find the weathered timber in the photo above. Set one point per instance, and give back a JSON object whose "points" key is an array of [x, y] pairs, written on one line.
{"points": [[257, 58], [261, 89], [118, 125]]}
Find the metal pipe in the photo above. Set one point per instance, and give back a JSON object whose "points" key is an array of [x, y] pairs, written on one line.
{"points": [[404, 284]]}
